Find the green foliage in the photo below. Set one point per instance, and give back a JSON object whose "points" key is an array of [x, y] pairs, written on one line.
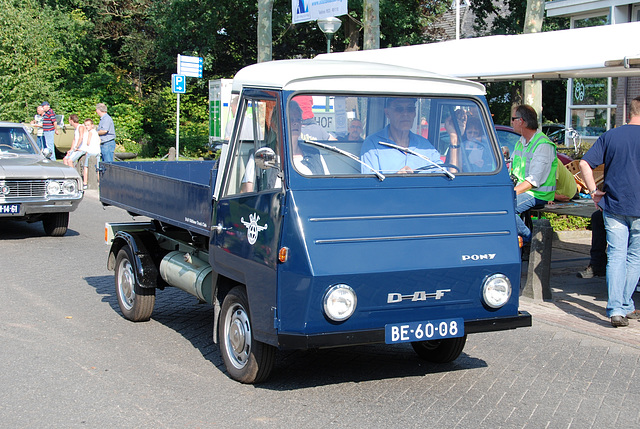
{"points": [[128, 145], [567, 223], [76, 53]]}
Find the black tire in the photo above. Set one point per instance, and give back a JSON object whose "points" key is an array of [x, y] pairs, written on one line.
{"points": [[136, 303], [55, 224], [247, 360], [440, 351]]}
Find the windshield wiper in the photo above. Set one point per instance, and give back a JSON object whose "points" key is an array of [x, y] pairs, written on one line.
{"points": [[345, 153], [419, 155]]}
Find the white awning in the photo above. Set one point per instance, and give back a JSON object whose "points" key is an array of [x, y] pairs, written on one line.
{"points": [[604, 51]]}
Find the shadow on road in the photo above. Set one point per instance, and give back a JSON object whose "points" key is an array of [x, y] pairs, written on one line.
{"points": [[311, 368], [297, 369], [19, 230]]}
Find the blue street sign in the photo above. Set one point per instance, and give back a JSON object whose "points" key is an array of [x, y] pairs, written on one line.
{"points": [[178, 84]]}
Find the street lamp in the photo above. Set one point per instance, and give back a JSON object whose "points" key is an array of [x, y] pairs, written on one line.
{"points": [[329, 26]]}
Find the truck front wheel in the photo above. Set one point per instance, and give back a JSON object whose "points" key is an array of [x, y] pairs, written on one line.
{"points": [[246, 360], [440, 351], [136, 303]]}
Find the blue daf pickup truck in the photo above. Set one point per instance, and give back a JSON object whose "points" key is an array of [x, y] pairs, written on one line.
{"points": [[366, 203]]}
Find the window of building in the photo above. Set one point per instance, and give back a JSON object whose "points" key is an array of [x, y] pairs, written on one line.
{"points": [[590, 106]]}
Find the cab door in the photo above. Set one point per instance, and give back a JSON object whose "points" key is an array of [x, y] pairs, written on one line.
{"points": [[247, 219]]}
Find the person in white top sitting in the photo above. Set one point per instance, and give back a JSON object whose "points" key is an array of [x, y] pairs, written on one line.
{"points": [[78, 136], [89, 146]]}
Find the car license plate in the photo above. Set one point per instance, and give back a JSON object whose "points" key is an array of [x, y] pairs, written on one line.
{"points": [[9, 209], [423, 331]]}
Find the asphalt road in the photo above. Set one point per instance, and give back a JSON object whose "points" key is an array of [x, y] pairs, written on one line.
{"points": [[69, 359]]}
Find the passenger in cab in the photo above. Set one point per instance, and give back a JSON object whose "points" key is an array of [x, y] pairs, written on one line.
{"points": [[355, 130], [307, 160], [401, 113], [476, 155]]}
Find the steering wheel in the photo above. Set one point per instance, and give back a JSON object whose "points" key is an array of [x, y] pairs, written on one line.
{"points": [[444, 165], [6, 145]]}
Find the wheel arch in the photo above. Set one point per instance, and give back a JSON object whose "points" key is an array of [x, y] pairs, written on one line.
{"points": [[221, 289], [144, 263]]}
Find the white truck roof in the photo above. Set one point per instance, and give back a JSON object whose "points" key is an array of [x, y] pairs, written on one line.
{"points": [[350, 76]]}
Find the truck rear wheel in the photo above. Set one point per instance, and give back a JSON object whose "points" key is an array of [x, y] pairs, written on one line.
{"points": [[440, 351], [55, 224], [246, 360], [136, 303]]}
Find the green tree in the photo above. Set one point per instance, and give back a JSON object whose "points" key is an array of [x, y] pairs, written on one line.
{"points": [[28, 58]]}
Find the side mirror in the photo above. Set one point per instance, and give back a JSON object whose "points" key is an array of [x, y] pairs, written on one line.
{"points": [[46, 152], [265, 158]]}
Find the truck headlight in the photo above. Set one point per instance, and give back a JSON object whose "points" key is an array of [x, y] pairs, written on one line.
{"points": [[339, 302], [496, 290]]}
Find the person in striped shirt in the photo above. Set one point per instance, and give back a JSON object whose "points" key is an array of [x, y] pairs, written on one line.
{"points": [[49, 128]]}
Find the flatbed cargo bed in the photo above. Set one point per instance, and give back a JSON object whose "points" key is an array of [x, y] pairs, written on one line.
{"points": [[178, 193]]}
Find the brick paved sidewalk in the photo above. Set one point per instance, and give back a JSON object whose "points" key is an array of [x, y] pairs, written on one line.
{"points": [[578, 304]]}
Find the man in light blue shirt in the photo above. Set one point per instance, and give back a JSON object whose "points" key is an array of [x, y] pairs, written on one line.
{"points": [[401, 113], [107, 133]]}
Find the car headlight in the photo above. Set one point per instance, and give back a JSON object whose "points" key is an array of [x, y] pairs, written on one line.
{"points": [[53, 187], [496, 290], [339, 302], [62, 187], [69, 187]]}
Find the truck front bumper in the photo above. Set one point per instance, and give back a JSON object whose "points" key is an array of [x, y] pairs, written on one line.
{"points": [[337, 339]]}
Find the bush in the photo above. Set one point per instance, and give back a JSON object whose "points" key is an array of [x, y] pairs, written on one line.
{"points": [[567, 223], [128, 145]]}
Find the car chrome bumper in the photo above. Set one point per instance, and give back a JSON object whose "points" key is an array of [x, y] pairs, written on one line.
{"points": [[28, 208]]}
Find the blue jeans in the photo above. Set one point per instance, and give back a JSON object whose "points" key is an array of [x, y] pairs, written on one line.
{"points": [[40, 142], [623, 262], [107, 149], [48, 139], [525, 202]]}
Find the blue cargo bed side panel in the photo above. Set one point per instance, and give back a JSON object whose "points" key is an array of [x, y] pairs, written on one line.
{"points": [[175, 192]]}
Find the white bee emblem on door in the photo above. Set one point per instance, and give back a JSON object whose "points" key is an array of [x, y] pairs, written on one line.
{"points": [[253, 227]]}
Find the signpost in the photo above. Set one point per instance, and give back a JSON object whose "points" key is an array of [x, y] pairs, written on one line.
{"points": [[178, 84], [187, 66]]}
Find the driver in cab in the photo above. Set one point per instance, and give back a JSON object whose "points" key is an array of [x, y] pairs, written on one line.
{"points": [[401, 113]]}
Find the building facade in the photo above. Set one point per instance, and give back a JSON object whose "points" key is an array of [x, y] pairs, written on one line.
{"points": [[596, 105]]}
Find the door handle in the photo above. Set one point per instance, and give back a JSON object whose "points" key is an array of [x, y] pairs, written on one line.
{"points": [[219, 228]]}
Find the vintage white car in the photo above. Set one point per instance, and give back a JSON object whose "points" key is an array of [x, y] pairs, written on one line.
{"points": [[32, 187]]}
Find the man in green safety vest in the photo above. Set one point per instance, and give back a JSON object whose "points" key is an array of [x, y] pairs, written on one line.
{"points": [[534, 166]]}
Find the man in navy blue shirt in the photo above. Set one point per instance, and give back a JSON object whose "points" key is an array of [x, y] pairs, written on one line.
{"points": [[619, 150]]}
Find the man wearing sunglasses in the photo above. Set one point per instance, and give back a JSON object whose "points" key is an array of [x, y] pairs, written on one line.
{"points": [[534, 166], [401, 113]]}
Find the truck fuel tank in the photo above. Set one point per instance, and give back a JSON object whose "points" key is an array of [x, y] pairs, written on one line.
{"points": [[189, 273]]}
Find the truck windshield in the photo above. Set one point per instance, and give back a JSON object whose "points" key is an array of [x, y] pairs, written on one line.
{"points": [[381, 136]]}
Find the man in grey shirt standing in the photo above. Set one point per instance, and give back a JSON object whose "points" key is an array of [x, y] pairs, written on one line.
{"points": [[107, 133]]}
